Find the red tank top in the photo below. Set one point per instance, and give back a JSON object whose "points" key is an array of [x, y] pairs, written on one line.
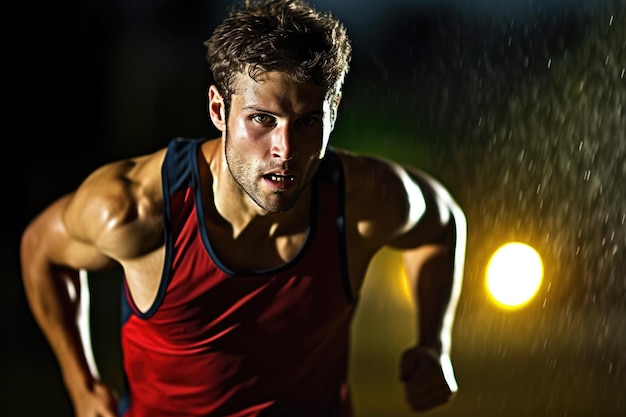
{"points": [[216, 343]]}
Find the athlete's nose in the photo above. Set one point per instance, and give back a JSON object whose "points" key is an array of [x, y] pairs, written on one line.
{"points": [[282, 143]]}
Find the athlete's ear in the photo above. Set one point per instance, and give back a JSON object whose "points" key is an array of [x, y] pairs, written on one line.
{"points": [[217, 112]]}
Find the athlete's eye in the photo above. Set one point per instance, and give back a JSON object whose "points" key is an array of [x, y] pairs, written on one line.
{"points": [[308, 120], [264, 118]]}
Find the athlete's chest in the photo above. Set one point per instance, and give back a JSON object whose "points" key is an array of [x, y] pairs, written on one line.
{"points": [[308, 289], [255, 253]]}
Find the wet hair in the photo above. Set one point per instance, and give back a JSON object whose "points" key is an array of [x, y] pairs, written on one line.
{"points": [[279, 35]]}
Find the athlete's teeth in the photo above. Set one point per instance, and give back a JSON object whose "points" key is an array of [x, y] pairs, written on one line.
{"points": [[280, 178]]}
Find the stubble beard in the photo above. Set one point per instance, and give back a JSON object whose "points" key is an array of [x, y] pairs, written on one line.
{"points": [[246, 175]]}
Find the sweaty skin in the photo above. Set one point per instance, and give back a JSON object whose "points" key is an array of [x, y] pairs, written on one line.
{"points": [[259, 173]]}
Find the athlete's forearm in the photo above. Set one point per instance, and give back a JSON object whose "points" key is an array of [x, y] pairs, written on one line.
{"points": [[436, 271], [53, 294]]}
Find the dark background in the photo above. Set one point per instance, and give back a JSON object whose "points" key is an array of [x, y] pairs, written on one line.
{"points": [[517, 106]]}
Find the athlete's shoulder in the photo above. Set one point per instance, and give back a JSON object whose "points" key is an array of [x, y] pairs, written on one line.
{"points": [[121, 199], [375, 197], [368, 175]]}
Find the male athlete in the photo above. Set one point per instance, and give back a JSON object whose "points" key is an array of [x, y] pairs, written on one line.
{"points": [[244, 255]]}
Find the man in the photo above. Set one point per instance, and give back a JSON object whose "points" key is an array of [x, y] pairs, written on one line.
{"points": [[244, 255]]}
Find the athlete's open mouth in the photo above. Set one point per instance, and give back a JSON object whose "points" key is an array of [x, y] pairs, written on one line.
{"points": [[280, 178]]}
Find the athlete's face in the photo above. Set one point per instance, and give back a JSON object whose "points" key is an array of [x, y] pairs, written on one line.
{"points": [[277, 132]]}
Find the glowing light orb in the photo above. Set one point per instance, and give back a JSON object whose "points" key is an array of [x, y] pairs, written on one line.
{"points": [[514, 274]]}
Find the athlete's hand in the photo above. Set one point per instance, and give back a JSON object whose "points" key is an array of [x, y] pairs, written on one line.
{"points": [[101, 401], [428, 378]]}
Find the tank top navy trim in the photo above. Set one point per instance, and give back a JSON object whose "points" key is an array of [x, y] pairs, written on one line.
{"points": [[180, 170], [333, 164]]}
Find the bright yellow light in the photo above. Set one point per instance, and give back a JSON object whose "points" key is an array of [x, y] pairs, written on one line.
{"points": [[514, 274]]}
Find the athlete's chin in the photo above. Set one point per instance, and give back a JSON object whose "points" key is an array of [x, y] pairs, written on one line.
{"points": [[279, 202], [279, 207]]}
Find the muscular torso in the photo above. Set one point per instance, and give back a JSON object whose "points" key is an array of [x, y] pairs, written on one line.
{"points": [[272, 244]]}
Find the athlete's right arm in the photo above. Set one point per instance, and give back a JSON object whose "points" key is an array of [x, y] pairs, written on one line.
{"points": [[62, 240]]}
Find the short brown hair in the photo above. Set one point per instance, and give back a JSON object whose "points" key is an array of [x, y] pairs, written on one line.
{"points": [[279, 35]]}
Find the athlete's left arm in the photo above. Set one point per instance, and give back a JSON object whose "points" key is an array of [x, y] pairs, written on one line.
{"points": [[432, 237]]}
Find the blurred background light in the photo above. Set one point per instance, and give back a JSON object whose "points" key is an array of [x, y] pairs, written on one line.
{"points": [[514, 274]]}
